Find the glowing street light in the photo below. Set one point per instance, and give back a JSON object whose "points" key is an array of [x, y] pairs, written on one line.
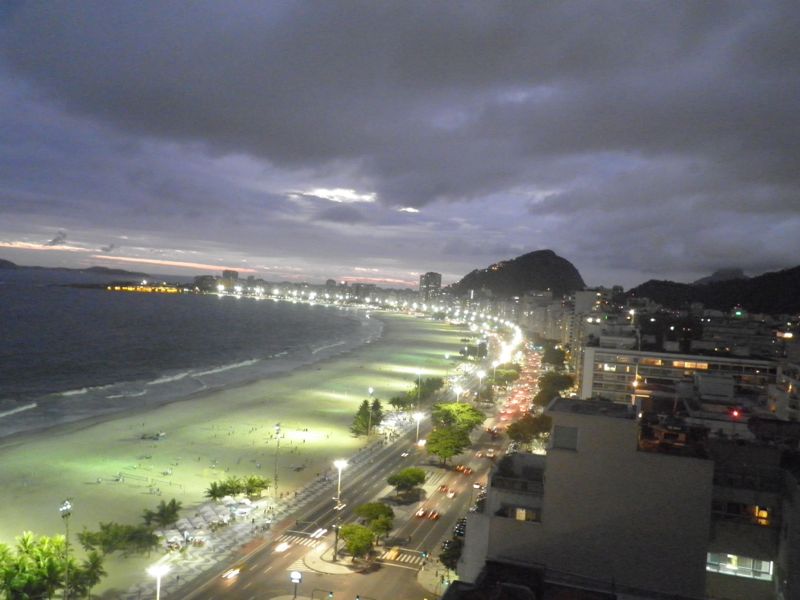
{"points": [[481, 374], [458, 389], [277, 452], [340, 465], [418, 417], [158, 571], [66, 510]]}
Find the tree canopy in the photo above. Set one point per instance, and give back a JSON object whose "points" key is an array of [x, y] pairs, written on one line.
{"points": [[379, 517], [419, 394], [450, 556], [447, 442], [35, 568], [407, 479], [458, 415], [357, 539], [253, 485], [113, 537], [550, 384], [553, 356], [529, 427], [166, 513], [362, 422], [503, 377]]}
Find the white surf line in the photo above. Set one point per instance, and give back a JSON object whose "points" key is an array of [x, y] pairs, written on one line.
{"points": [[19, 409]]}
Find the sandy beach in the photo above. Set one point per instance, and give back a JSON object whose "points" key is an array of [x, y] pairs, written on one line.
{"points": [[208, 438]]}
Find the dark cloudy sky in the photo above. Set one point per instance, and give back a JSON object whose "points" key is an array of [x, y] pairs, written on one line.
{"points": [[375, 140]]}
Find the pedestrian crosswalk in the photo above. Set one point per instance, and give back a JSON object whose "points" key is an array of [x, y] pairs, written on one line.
{"points": [[299, 540], [401, 555], [298, 565]]}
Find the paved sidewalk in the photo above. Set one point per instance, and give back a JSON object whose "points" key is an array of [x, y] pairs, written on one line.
{"points": [[435, 577], [321, 560]]}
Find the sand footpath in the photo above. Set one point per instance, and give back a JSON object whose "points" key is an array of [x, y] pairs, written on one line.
{"points": [[113, 470]]}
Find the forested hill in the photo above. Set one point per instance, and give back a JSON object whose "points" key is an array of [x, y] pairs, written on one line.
{"points": [[771, 293], [539, 270]]}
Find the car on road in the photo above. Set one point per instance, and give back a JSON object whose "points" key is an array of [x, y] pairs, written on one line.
{"points": [[405, 453], [451, 493], [232, 573], [467, 471], [421, 513], [434, 515], [443, 489], [447, 544]]}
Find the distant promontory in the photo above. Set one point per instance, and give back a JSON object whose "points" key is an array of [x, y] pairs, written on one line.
{"points": [[539, 270], [7, 264]]}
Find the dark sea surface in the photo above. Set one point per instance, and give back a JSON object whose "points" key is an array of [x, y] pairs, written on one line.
{"points": [[68, 353]]}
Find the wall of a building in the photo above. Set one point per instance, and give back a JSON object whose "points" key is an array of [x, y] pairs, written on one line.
{"points": [[611, 512]]}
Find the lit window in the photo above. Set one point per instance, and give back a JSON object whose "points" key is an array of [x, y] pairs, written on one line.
{"points": [[761, 515], [739, 566], [525, 514]]}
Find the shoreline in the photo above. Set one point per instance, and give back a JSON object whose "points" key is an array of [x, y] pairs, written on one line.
{"points": [[211, 436], [270, 367]]}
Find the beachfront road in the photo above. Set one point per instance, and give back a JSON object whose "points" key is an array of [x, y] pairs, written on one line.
{"points": [[265, 566]]}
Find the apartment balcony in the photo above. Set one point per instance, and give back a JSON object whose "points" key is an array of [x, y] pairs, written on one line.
{"points": [[519, 486]]}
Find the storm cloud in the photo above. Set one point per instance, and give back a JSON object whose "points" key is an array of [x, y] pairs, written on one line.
{"points": [[635, 139]]}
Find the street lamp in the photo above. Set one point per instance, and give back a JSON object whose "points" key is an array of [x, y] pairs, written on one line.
{"points": [[494, 372], [158, 571], [419, 385], [458, 389], [339, 464], [277, 452], [66, 510], [418, 417], [481, 375]]}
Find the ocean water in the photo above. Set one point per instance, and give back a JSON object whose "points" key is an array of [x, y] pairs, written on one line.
{"points": [[68, 353]]}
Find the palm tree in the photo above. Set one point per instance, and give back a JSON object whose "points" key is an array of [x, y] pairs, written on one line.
{"points": [[254, 485], [90, 573], [215, 491], [233, 486], [51, 574]]}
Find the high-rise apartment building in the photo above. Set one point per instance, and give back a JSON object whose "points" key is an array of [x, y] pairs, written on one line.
{"points": [[430, 285], [650, 508], [615, 373]]}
